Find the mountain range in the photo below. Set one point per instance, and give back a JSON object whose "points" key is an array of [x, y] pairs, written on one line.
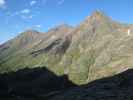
{"points": [[96, 48]]}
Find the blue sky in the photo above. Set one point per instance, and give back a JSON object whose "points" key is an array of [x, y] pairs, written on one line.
{"points": [[19, 15]]}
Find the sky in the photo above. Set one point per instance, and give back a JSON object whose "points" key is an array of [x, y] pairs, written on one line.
{"points": [[17, 16]]}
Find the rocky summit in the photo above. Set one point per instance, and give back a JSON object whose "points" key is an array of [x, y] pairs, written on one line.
{"points": [[92, 55]]}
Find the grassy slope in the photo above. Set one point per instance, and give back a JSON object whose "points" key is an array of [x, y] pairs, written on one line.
{"points": [[100, 47]]}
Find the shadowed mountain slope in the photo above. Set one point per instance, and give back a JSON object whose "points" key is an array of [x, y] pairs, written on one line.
{"points": [[40, 84], [117, 87], [32, 83]]}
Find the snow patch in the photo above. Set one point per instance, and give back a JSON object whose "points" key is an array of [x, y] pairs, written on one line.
{"points": [[128, 32], [53, 37]]}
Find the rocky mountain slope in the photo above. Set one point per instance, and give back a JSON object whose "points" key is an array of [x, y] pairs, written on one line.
{"points": [[97, 48]]}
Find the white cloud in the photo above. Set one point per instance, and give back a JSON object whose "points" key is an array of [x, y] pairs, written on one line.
{"points": [[2, 3], [33, 2], [25, 11], [26, 16], [60, 2], [37, 26]]}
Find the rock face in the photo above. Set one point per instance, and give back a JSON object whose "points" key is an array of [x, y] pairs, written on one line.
{"points": [[97, 48]]}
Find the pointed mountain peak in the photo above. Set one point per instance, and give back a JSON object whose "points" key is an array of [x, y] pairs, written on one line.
{"points": [[98, 13], [97, 17]]}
